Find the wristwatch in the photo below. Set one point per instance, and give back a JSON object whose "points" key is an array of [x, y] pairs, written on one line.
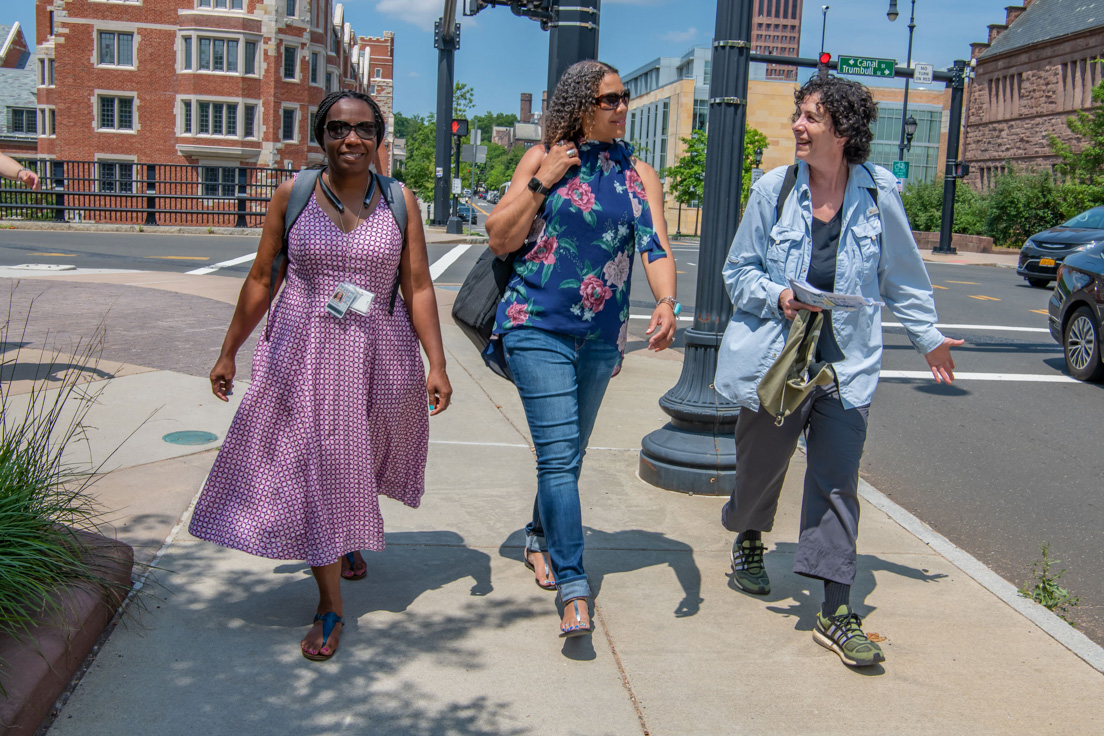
{"points": [[536, 185], [675, 306]]}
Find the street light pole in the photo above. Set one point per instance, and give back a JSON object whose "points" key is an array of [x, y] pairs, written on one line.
{"points": [[823, 25], [892, 15], [695, 452], [572, 37], [447, 40]]}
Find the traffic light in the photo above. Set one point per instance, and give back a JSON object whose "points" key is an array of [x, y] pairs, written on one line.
{"points": [[822, 67], [459, 127], [961, 169]]}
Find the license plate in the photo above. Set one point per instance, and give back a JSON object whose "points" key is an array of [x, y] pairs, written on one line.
{"points": [[1046, 261]]}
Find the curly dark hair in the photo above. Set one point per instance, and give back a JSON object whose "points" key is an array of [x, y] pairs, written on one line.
{"points": [[331, 99], [851, 108], [572, 104]]}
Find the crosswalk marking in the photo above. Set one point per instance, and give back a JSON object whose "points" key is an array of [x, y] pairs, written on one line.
{"points": [[994, 328], [225, 264], [441, 264], [1018, 377]]}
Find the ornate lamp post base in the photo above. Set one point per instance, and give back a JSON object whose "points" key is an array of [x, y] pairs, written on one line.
{"points": [[696, 451]]}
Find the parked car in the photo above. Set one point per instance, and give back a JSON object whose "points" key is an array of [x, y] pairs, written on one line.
{"points": [[1044, 252], [1075, 310], [467, 213]]}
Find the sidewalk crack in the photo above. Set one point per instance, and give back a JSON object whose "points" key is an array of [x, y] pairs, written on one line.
{"points": [[621, 671]]}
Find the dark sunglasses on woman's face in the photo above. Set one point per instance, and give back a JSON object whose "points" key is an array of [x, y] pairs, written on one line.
{"points": [[339, 130], [612, 100]]}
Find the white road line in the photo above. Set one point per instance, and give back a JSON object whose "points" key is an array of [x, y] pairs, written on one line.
{"points": [[960, 376], [994, 328], [441, 264], [224, 264], [648, 316]]}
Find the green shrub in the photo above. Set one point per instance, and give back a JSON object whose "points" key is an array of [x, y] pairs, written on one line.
{"points": [[1021, 205], [924, 206], [1076, 198]]}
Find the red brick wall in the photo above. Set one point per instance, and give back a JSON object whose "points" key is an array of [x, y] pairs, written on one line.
{"points": [[15, 51]]}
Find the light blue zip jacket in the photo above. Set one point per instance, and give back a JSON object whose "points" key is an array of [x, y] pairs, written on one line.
{"points": [[877, 258]]}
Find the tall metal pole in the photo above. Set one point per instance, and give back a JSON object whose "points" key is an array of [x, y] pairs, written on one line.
{"points": [[446, 39], [950, 177], [908, 65], [823, 25], [696, 451], [573, 37]]}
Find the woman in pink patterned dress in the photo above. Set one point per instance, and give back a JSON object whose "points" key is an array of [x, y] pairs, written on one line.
{"points": [[336, 411]]}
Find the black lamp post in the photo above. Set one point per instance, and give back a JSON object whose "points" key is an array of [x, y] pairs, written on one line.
{"points": [[910, 131], [695, 452], [892, 15]]}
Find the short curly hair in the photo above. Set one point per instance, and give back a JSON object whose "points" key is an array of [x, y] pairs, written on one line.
{"points": [[851, 108], [572, 104]]}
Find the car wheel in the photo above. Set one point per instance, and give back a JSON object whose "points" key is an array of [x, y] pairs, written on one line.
{"points": [[1039, 283], [1082, 346]]}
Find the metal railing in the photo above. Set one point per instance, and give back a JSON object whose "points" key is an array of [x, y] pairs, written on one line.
{"points": [[123, 192]]}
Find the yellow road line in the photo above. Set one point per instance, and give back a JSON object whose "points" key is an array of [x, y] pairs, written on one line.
{"points": [[680, 272], [971, 283], [485, 212], [937, 286], [182, 258], [985, 298], [1041, 311], [60, 255]]}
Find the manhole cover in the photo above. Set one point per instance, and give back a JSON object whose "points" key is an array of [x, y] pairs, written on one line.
{"points": [[190, 437]]}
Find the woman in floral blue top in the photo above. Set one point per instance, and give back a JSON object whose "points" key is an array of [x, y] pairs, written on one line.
{"points": [[577, 209]]}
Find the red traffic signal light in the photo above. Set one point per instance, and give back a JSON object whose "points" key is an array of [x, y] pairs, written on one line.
{"points": [[825, 57], [459, 127]]}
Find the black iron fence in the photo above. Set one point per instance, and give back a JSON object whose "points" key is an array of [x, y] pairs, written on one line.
{"points": [[121, 192]]}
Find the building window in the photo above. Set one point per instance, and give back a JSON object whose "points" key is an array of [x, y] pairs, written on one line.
{"points": [[378, 73], [291, 55], [116, 113], [701, 114], [186, 122], [250, 57], [50, 66], [214, 176], [314, 68], [290, 10], [216, 118], [221, 4], [287, 128], [116, 177], [329, 81], [116, 49], [335, 41], [215, 54], [187, 53], [41, 72], [248, 129], [23, 120]]}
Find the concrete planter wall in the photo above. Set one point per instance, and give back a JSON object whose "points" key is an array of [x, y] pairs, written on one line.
{"points": [[961, 243], [36, 672]]}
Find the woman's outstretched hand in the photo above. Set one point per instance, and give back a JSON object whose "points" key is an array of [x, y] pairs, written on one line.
{"points": [[439, 389], [222, 378], [940, 360]]}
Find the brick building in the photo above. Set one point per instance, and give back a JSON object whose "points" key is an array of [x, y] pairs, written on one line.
{"points": [[214, 83], [1036, 69], [18, 114], [776, 29]]}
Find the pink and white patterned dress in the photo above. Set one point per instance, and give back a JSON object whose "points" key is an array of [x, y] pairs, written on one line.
{"points": [[337, 412]]}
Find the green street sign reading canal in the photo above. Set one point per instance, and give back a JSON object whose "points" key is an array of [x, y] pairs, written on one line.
{"points": [[867, 67]]}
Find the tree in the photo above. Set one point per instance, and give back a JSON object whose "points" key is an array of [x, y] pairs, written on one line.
{"points": [[405, 126], [421, 149], [687, 177], [1021, 205], [1085, 165], [752, 139], [463, 99]]}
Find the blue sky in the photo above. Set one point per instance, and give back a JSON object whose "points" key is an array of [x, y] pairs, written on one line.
{"points": [[502, 55]]}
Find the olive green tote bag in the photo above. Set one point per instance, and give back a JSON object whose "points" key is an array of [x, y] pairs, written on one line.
{"points": [[795, 373]]}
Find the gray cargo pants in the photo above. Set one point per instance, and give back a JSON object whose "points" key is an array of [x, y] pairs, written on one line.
{"points": [[830, 507]]}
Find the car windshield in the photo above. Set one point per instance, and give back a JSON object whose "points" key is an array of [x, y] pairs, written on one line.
{"points": [[1092, 219]]}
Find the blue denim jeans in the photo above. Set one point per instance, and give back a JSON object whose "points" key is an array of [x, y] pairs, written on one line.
{"points": [[561, 380]]}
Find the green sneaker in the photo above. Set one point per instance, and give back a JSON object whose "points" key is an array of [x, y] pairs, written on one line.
{"points": [[748, 571], [843, 634]]}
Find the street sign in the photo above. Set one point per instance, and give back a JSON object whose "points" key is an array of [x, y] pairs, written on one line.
{"points": [[901, 169], [476, 136], [480, 154], [457, 185], [922, 73], [867, 67], [756, 175], [440, 171]]}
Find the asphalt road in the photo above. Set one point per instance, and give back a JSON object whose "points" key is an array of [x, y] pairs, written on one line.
{"points": [[998, 466]]}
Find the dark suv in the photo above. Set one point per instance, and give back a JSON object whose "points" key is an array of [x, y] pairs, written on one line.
{"points": [[1075, 311], [1044, 252]]}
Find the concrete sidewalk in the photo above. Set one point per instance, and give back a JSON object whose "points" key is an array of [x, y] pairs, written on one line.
{"points": [[449, 634]]}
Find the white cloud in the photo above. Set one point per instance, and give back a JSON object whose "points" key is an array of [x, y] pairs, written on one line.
{"points": [[681, 36], [422, 13], [413, 74]]}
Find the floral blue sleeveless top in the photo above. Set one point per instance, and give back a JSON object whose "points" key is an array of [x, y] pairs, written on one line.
{"points": [[572, 276]]}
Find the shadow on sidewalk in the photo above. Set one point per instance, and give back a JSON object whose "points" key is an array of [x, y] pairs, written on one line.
{"points": [[610, 553]]}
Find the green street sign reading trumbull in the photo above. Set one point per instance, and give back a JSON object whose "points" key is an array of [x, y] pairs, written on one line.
{"points": [[867, 67]]}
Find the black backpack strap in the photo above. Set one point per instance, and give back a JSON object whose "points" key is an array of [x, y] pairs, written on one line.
{"points": [[784, 193], [393, 192], [872, 189], [301, 192]]}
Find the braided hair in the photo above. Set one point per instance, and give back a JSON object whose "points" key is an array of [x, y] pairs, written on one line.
{"points": [[331, 99], [572, 104]]}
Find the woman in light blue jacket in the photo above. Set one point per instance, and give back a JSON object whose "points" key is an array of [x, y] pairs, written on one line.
{"points": [[842, 228]]}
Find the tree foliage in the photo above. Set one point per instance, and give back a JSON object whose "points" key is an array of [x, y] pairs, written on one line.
{"points": [[687, 177], [1086, 164]]}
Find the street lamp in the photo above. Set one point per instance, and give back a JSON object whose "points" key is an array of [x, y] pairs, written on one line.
{"points": [[892, 15], [758, 157], [824, 23], [910, 131]]}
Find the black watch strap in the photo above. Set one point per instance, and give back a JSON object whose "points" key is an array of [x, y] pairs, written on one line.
{"points": [[535, 185]]}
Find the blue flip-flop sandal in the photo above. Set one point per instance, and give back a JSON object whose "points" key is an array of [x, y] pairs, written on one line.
{"points": [[329, 621]]}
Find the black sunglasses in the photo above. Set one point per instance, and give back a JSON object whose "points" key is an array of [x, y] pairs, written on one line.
{"points": [[612, 100], [339, 130]]}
